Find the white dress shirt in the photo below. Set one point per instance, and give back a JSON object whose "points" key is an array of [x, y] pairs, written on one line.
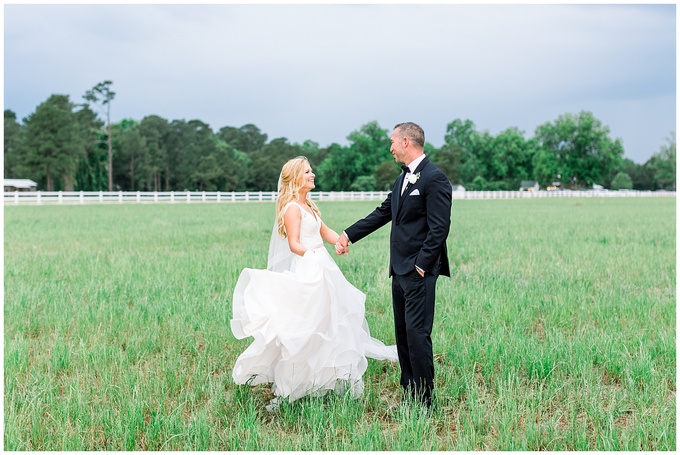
{"points": [[411, 167]]}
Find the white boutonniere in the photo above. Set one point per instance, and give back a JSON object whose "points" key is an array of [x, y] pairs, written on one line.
{"points": [[413, 178]]}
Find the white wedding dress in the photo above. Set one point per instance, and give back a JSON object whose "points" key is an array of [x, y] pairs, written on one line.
{"points": [[307, 323]]}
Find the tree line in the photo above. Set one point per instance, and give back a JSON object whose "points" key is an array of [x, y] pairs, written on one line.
{"points": [[64, 145]]}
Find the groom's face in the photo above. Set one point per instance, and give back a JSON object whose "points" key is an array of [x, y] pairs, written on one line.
{"points": [[397, 148]]}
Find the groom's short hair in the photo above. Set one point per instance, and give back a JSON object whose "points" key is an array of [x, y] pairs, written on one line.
{"points": [[412, 131]]}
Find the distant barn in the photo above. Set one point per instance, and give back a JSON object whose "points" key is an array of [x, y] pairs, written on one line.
{"points": [[529, 185], [20, 185]]}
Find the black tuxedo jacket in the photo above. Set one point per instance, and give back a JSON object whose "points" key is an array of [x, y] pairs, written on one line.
{"points": [[421, 219]]}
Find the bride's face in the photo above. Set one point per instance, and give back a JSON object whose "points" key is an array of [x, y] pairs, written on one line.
{"points": [[308, 178]]}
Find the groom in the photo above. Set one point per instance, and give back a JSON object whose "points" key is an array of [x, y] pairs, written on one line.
{"points": [[419, 208]]}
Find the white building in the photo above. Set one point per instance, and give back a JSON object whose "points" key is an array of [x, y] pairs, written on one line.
{"points": [[20, 185]]}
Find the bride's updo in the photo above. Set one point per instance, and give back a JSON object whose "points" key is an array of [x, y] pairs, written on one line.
{"points": [[290, 182]]}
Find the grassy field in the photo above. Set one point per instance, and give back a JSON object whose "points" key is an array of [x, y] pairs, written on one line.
{"points": [[555, 332]]}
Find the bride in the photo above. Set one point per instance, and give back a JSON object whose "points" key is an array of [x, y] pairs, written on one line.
{"points": [[306, 320]]}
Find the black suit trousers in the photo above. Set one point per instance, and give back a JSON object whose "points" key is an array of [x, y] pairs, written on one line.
{"points": [[413, 305]]}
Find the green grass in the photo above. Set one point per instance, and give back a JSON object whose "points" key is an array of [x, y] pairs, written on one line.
{"points": [[555, 332]]}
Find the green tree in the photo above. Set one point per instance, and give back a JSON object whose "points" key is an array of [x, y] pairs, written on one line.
{"points": [[207, 171], [484, 151], [546, 168], [622, 181], [430, 150], [240, 171], [266, 164], [314, 153], [385, 175], [53, 143], [327, 176], [460, 154], [247, 138], [448, 159], [501, 162], [369, 147], [217, 169], [511, 160], [12, 150], [237, 170], [198, 153], [478, 184], [198, 159], [363, 183], [101, 96], [642, 176], [131, 146], [580, 147], [338, 170], [663, 165], [180, 161], [461, 133], [91, 173], [371, 144], [153, 160]]}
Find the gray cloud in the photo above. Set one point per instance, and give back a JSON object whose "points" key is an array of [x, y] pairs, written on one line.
{"points": [[320, 71]]}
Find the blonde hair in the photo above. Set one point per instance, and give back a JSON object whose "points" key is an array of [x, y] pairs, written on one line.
{"points": [[292, 175]]}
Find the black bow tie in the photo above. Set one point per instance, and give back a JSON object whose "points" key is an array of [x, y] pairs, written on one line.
{"points": [[405, 169]]}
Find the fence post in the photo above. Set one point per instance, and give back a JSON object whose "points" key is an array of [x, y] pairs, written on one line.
{"points": [[59, 197]]}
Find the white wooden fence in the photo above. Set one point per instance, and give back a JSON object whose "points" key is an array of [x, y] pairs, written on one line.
{"points": [[140, 197]]}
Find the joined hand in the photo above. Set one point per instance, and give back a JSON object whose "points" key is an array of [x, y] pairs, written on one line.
{"points": [[340, 250], [342, 245]]}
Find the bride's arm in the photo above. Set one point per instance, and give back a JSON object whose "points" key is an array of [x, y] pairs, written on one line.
{"points": [[328, 234], [291, 219]]}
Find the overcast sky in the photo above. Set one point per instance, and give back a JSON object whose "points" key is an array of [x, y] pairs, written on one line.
{"points": [[321, 71]]}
